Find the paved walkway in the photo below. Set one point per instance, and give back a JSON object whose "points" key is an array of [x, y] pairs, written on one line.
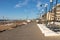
{"points": [[25, 32], [46, 31]]}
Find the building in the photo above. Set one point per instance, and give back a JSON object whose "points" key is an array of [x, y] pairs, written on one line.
{"points": [[50, 16]]}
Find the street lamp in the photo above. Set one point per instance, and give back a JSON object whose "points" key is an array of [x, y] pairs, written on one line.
{"points": [[55, 11], [50, 9], [51, 5], [45, 6], [46, 13], [41, 12]]}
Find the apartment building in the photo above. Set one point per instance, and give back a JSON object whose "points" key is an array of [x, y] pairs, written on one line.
{"points": [[50, 16]]}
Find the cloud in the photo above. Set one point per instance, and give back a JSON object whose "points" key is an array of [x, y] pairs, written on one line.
{"points": [[21, 4], [38, 5]]}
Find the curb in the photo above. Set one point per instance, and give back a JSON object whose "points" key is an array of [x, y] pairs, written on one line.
{"points": [[46, 31]]}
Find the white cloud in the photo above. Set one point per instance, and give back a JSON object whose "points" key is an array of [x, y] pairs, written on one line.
{"points": [[21, 4], [38, 5]]}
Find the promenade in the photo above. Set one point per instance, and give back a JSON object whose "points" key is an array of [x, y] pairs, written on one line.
{"points": [[26, 32]]}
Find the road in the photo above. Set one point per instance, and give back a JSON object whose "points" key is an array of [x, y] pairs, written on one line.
{"points": [[25, 32]]}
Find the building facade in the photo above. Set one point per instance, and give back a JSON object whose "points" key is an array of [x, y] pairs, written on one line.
{"points": [[50, 16]]}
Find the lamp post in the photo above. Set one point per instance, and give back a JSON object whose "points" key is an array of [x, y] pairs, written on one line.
{"points": [[50, 9], [45, 6], [51, 5], [40, 12], [55, 12], [46, 13]]}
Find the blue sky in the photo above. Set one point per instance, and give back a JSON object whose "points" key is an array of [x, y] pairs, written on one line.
{"points": [[21, 9]]}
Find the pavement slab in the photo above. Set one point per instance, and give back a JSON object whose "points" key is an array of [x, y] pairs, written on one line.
{"points": [[46, 31]]}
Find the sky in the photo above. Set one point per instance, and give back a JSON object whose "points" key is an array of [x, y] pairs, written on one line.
{"points": [[22, 9]]}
